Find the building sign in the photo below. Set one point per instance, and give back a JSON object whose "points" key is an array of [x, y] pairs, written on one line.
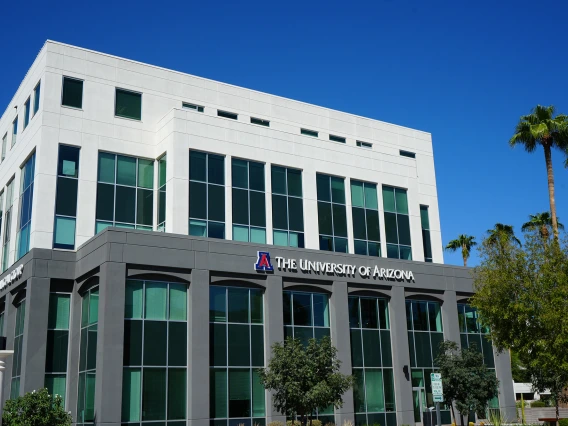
{"points": [[264, 264], [437, 389], [11, 277]]}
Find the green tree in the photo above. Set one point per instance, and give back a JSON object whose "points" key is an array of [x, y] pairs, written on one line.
{"points": [[522, 296], [305, 378], [518, 369], [463, 242], [541, 222], [36, 409], [542, 127], [467, 382], [501, 234]]}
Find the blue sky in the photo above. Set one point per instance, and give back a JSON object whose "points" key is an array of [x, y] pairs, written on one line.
{"points": [[463, 71]]}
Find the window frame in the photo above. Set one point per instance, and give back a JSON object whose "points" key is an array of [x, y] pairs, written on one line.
{"points": [[288, 196], [37, 98], [27, 108], [194, 107], [227, 114], [55, 215], [308, 132], [362, 144], [116, 89], [407, 154], [335, 138], [260, 122], [82, 92]]}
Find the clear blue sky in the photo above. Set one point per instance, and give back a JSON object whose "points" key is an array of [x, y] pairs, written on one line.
{"points": [[462, 70]]}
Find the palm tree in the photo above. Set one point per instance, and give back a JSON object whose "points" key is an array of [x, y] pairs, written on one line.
{"points": [[463, 242], [502, 233], [542, 222], [542, 128]]}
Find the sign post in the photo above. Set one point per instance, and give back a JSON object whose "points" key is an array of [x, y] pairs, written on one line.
{"points": [[437, 393]]}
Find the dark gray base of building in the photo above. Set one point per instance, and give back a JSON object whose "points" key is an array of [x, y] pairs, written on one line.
{"points": [[115, 255]]}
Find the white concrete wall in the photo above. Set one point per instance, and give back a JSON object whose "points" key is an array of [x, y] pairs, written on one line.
{"points": [[167, 128]]}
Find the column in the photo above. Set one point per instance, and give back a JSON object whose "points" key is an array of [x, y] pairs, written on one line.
{"points": [[110, 343], [450, 320], [273, 332], [340, 337], [198, 349], [506, 391], [73, 354], [9, 328], [35, 335], [401, 357]]}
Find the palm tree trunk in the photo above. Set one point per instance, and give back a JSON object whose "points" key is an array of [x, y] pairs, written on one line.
{"points": [[464, 256], [550, 173]]}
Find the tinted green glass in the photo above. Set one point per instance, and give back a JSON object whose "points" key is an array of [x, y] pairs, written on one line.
{"points": [[256, 176], [216, 169], [411, 349], [238, 305], [359, 228], [373, 229], [280, 238], [56, 384], [216, 203], [436, 339], [279, 212], [391, 228], [371, 201], [256, 306], [475, 341], [403, 229], [241, 233], [371, 348], [302, 308], [354, 312], [126, 170], [383, 314], [257, 346], [128, 104], [386, 348], [94, 306], [405, 253], [145, 173], [132, 343], [155, 342], [197, 228], [257, 209], [401, 201], [72, 93], [239, 173], [240, 206], [177, 386], [66, 200], [374, 249], [295, 214], [278, 178], [58, 311], [218, 393], [323, 187], [427, 244], [216, 230], [197, 166], [178, 302], [374, 390], [64, 233], [356, 348], [388, 199], [258, 403], [360, 247], [488, 357], [162, 167], [357, 196], [198, 200], [155, 300], [294, 182], [56, 351], [339, 221], [239, 345], [287, 307], [423, 350], [218, 344], [369, 314], [145, 207], [125, 204], [324, 218], [424, 219], [321, 310], [177, 344], [217, 304], [106, 167], [105, 201], [420, 315], [91, 347], [154, 394], [239, 393], [337, 190], [435, 316], [326, 243], [359, 392], [133, 297], [131, 388]]}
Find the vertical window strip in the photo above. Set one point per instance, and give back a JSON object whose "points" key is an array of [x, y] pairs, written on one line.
{"points": [[4, 141], [332, 215], [7, 225], [426, 240], [162, 165], [287, 207], [66, 197], [27, 113], [26, 204], [249, 201], [155, 355], [18, 342], [14, 131], [57, 344], [397, 223], [206, 195], [37, 93], [372, 361], [365, 211], [125, 192]]}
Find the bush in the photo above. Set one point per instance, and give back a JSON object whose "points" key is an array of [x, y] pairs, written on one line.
{"points": [[538, 404], [36, 408], [275, 424], [563, 422]]}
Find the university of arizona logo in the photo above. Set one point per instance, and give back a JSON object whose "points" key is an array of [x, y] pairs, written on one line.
{"points": [[263, 262]]}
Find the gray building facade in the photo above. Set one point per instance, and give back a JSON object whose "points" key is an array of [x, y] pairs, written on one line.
{"points": [[101, 344]]}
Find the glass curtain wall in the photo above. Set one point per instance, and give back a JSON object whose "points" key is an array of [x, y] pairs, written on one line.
{"points": [[365, 209], [17, 357], [332, 216], [371, 357], [57, 343], [88, 357], [66, 198], [426, 241], [206, 195], [425, 333], [7, 225], [155, 354], [125, 192], [236, 352], [249, 209], [162, 164], [26, 201], [397, 223], [287, 207]]}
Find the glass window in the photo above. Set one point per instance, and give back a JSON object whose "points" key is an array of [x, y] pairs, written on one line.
{"points": [[260, 122], [308, 132], [365, 213], [4, 141], [337, 138], [27, 113], [249, 210], [128, 104], [26, 203], [332, 218], [88, 356], [397, 223], [155, 352], [472, 333], [426, 242], [306, 315], [226, 114], [287, 207], [192, 106], [7, 225], [72, 94], [66, 197], [14, 131], [37, 97], [236, 351], [57, 343], [18, 343], [162, 165]]}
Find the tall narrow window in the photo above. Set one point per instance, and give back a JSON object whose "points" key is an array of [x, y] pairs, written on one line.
{"points": [[125, 192], [66, 198], [397, 223], [1, 218], [27, 113], [249, 210], [36, 97], [306, 316], [426, 241], [72, 93], [371, 356], [7, 225], [128, 104], [236, 352], [287, 207], [154, 379], [4, 142], [26, 204], [18, 341], [332, 217], [88, 356], [162, 163], [14, 131], [57, 343], [2, 317], [365, 209], [425, 333], [206, 195]]}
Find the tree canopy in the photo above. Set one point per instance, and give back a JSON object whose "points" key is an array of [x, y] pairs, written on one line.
{"points": [[305, 378], [464, 243], [502, 232], [541, 222], [36, 409]]}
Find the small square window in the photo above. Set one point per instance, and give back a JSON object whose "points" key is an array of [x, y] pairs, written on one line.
{"points": [[336, 138], [128, 104], [407, 154], [260, 122], [308, 132], [226, 114], [72, 95], [192, 106], [364, 144]]}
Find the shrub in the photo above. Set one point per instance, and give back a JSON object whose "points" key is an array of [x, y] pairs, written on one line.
{"points": [[538, 404], [293, 423], [275, 424], [471, 424], [563, 422], [36, 408]]}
